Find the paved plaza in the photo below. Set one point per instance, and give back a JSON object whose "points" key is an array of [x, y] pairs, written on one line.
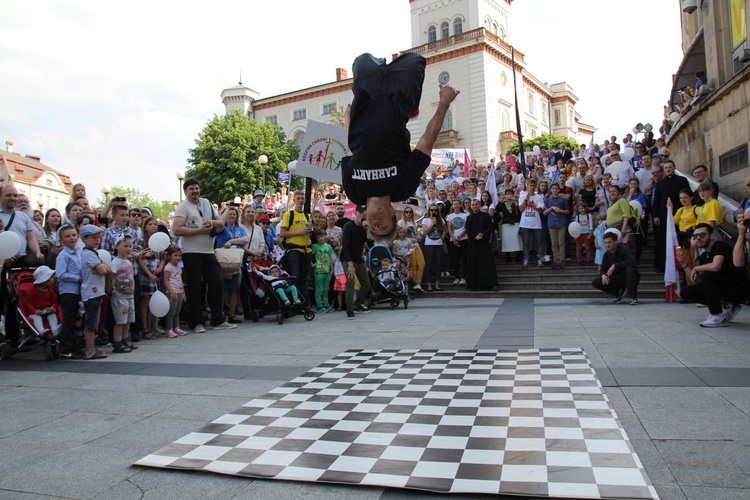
{"points": [[72, 429]]}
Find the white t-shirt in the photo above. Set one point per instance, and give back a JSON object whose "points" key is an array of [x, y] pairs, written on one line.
{"points": [[531, 218], [434, 236], [459, 224], [195, 216], [123, 281]]}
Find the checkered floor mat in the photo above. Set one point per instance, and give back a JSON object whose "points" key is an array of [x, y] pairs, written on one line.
{"points": [[520, 422]]}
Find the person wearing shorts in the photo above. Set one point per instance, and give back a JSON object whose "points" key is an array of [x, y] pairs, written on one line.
{"points": [[93, 273]]}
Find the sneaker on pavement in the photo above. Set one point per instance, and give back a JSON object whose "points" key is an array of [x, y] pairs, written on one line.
{"points": [[456, 281], [171, 334], [199, 329], [714, 321], [349, 314], [634, 301], [462, 281], [417, 288], [225, 326], [730, 311], [618, 297], [540, 264], [180, 332], [363, 308], [71, 355]]}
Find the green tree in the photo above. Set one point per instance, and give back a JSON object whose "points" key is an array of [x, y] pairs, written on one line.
{"points": [[137, 199], [545, 141], [225, 156]]}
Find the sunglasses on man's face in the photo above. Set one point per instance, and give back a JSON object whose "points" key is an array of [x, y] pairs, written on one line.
{"points": [[135, 215], [699, 236]]}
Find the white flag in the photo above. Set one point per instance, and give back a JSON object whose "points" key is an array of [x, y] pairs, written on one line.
{"points": [[671, 275]]}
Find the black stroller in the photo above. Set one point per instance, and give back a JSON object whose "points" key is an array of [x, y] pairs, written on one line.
{"points": [[388, 275], [263, 297]]}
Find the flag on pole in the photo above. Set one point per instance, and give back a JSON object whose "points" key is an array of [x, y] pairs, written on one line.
{"points": [[467, 164], [512, 161], [671, 275], [491, 184]]}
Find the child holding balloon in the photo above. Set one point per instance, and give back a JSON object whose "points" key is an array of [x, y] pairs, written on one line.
{"points": [[176, 290], [122, 286], [151, 263]]}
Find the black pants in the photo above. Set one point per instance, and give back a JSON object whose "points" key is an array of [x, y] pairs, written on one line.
{"points": [[628, 279], [459, 257], [712, 289], [433, 256], [69, 307], [201, 267]]}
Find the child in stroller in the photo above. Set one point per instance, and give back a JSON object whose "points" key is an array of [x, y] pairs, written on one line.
{"points": [[39, 303], [388, 276], [280, 284], [274, 293]]}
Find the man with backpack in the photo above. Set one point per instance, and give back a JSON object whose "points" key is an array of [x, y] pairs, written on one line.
{"points": [[295, 230]]}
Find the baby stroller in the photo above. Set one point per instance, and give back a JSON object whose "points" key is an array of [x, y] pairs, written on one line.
{"points": [[20, 281], [263, 298], [388, 282]]}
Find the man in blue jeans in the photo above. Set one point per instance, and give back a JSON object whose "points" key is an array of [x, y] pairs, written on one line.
{"points": [[197, 223]]}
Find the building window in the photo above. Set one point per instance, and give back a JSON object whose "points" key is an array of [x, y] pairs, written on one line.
{"points": [[447, 122], [558, 118], [495, 29], [531, 103], [299, 136], [444, 30], [431, 34], [299, 114], [533, 132], [505, 120], [444, 78], [328, 108], [458, 26], [500, 32], [733, 161], [47, 183], [273, 119], [571, 121], [545, 110]]}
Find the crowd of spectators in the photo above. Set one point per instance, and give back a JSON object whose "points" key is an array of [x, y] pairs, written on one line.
{"points": [[581, 207]]}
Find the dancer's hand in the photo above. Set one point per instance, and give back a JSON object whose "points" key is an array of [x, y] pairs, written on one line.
{"points": [[448, 94]]}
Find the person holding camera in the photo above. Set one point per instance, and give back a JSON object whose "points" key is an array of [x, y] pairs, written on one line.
{"points": [[718, 282], [196, 221]]}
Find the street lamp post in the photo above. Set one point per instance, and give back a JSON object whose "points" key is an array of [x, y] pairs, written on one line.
{"points": [[105, 191], [180, 177], [262, 160], [292, 167]]}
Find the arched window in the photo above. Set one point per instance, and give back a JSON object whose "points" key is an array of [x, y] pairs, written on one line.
{"points": [[444, 30], [299, 136], [500, 32], [505, 120], [488, 23], [447, 122], [431, 34], [495, 28], [458, 26]]}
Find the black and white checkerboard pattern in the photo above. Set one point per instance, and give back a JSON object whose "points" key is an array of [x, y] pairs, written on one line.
{"points": [[526, 422]]}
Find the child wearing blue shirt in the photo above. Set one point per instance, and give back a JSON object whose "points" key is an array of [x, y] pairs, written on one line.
{"points": [[69, 277]]}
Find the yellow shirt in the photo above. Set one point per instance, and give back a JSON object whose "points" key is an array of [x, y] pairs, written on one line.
{"points": [[711, 212], [686, 219], [298, 242]]}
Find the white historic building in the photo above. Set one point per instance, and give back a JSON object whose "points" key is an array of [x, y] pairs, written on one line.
{"points": [[44, 186], [465, 44]]}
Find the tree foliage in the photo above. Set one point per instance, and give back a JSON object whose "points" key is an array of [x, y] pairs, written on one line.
{"points": [[138, 199], [545, 141], [225, 157]]}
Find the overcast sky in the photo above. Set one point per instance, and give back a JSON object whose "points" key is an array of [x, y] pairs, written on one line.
{"points": [[116, 93]]}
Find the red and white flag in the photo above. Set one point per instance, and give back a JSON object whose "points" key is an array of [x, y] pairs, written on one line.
{"points": [[671, 273]]}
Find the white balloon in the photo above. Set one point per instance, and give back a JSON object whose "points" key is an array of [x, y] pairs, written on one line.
{"points": [[675, 116], [460, 181], [159, 242], [536, 150], [574, 229], [10, 244], [638, 207], [648, 127], [616, 168], [628, 153], [105, 256], [159, 304]]}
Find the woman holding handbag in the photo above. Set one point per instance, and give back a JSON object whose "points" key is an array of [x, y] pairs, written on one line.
{"points": [[232, 237]]}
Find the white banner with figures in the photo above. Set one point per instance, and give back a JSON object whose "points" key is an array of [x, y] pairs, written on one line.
{"points": [[321, 152]]}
